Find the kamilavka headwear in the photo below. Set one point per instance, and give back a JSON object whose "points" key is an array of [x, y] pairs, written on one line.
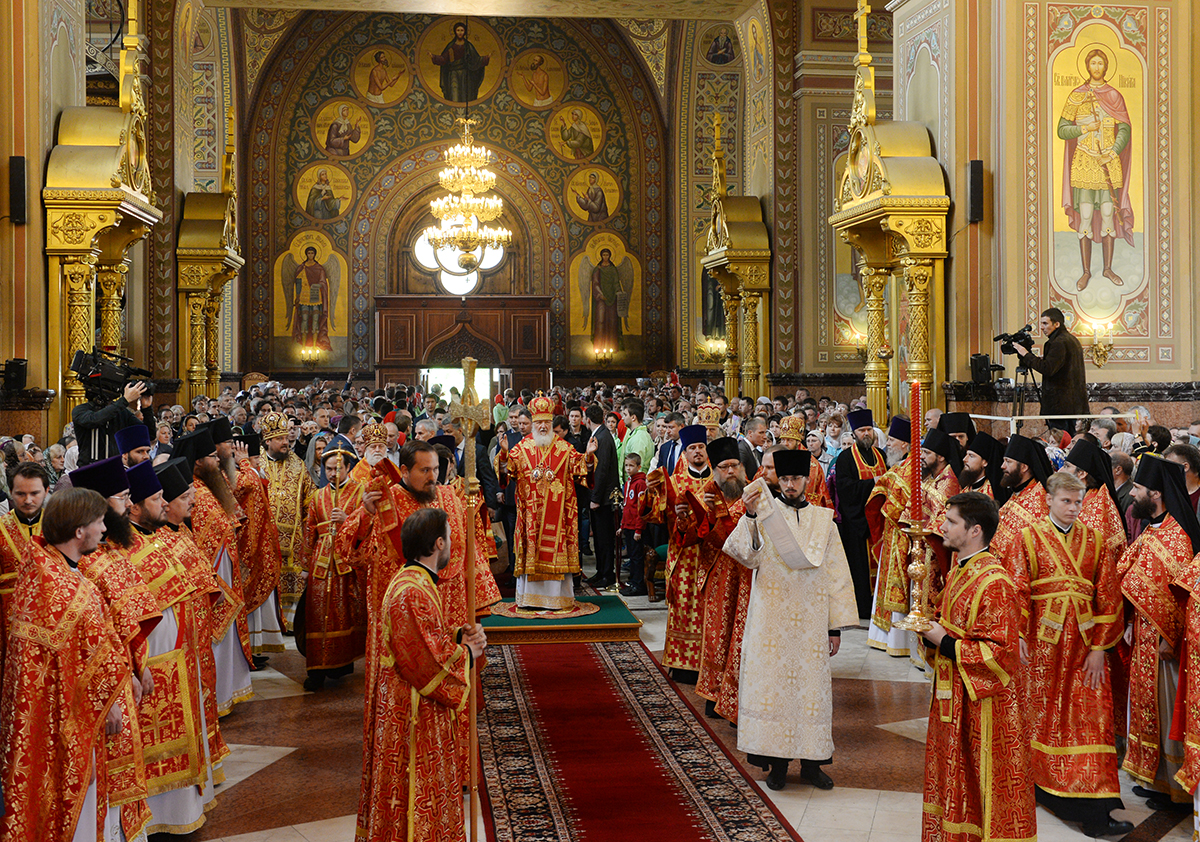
{"points": [[693, 434], [792, 463], [900, 429], [1030, 452], [171, 478], [132, 437], [253, 442], [722, 450], [957, 422], [1091, 458], [221, 429], [445, 441], [943, 445], [1166, 477], [992, 453], [195, 446], [860, 418], [107, 477], [143, 482]]}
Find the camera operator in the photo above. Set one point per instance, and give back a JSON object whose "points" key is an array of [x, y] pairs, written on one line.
{"points": [[1064, 385], [98, 419]]}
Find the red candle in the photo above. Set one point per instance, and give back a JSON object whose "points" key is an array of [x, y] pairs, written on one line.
{"points": [[918, 421]]}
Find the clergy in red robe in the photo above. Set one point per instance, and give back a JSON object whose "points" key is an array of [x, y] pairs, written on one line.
{"points": [[983, 468], [545, 469], [941, 465], [23, 522], [259, 549], [67, 673], [888, 512], [977, 781], [666, 502], [1071, 611], [1092, 465], [422, 684], [1026, 468], [1150, 572], [725, 584], [335, 623]]}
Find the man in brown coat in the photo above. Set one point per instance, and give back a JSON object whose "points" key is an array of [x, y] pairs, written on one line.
{"points": [[1064, 384]]}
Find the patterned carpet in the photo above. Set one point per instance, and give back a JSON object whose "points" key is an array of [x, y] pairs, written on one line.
{"points": [[590, 741]]}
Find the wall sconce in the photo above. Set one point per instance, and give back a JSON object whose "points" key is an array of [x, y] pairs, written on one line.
{"points": [[860, 344], [1102, 342], [603, 355], [310, 355], [715, 346]]}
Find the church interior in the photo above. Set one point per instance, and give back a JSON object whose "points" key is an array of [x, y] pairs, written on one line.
{"points": [[777, 194]]}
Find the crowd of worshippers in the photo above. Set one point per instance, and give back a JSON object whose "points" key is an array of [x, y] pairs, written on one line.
{"points": [[144, 581]]}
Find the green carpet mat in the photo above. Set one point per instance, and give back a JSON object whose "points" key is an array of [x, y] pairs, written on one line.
{"points": [[614, 621]]}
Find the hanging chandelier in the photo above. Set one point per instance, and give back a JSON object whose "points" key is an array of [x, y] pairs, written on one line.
{"points": [[461, 212]]}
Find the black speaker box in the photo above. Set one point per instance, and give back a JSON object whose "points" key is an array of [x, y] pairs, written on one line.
{"points": [[975, 191], [16, 190], [981, 369]]}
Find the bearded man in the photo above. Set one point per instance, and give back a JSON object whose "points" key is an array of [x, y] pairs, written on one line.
{"points": [[215, 515], [179, 776], [888, 513], [1026, 469], [856, 470], [791, 435], [334, 609], [133, 442], [289, 486], [1156, 573], [66, 684], [666, 502], [941, 463], [724, 584], [544, 469], [785, 695], [983, 468]]}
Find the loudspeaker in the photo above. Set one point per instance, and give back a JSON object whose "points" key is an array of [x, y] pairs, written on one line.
{"points": [[15, 373], [16, 190], [975, 191], [981, 369]]}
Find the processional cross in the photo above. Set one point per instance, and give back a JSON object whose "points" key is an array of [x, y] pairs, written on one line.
{"points": [[473, 416]]}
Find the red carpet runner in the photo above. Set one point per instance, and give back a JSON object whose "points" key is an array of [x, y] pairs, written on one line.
{"points": [[590, 742]]}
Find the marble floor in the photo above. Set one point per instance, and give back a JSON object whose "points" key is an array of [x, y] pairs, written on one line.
{"points": [[879, 729]]}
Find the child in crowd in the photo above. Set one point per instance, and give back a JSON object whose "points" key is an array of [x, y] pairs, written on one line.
{"points": [[632, 525]]}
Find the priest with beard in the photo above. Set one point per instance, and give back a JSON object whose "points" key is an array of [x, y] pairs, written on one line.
{"points": [[1157, 576], [666, 502], [1026, 469], [785, 694], [179, 775], [983, 468], [134, 612], [544, 468], [724, 584], [374, 533], [888, 515], [856, 471], [334, 609], [289, 486], [66, 685], [216, 516], [941, 463]]}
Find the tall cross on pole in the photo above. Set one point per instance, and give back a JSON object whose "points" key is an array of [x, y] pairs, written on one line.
{"points": [[860, 16], [473, 416]]}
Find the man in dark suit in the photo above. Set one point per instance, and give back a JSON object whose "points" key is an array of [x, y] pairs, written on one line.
{"points": [[484, 472], [603, 484], [751, 443], [519, 424], [670, 450], [1064, 379]]}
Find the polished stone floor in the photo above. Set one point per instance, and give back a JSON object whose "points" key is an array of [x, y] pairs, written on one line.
{"points": [[294, 772]]}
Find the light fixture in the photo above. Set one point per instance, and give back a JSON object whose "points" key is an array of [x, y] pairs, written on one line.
{"points": [[460, 215], [860, 344], [1102, 342], [603, 355], [716, 346], [310, 355]]}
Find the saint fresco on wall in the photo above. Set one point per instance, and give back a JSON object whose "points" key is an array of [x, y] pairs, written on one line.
{"points": [[606, 302], [575, 132], [342, 128], [537, 79], [310, 307], [381, 76], [721, 48], [593, 195], [324, 191], [1098, 126], [458, 62]]}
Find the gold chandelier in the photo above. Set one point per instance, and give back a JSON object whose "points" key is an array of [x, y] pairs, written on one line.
{"points": [[460, 215]]}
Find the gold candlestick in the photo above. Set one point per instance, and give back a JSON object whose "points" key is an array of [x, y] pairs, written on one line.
{"points": [[919, 615]]}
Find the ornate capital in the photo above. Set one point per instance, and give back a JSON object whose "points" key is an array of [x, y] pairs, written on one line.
{"points": [[915, 234]]}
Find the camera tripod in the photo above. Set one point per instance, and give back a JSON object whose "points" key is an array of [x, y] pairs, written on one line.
{"points": [[1021, 383]]}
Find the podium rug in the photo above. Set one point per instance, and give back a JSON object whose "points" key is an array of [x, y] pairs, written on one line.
{"points": [[589, 741], [595, 618]]}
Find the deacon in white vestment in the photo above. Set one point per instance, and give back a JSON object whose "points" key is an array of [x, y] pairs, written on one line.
{"points": [[801, 599]]}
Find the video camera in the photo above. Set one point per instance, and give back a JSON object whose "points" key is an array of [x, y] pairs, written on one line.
{"points": [[1010, 341], [105, 375]]}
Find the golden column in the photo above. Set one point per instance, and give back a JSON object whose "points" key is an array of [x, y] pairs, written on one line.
{"points": [[918, 277], [879, 351], [732, 302], [192, 285], [212, 317], [751, 371], [110, 286], [79, 273]]}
